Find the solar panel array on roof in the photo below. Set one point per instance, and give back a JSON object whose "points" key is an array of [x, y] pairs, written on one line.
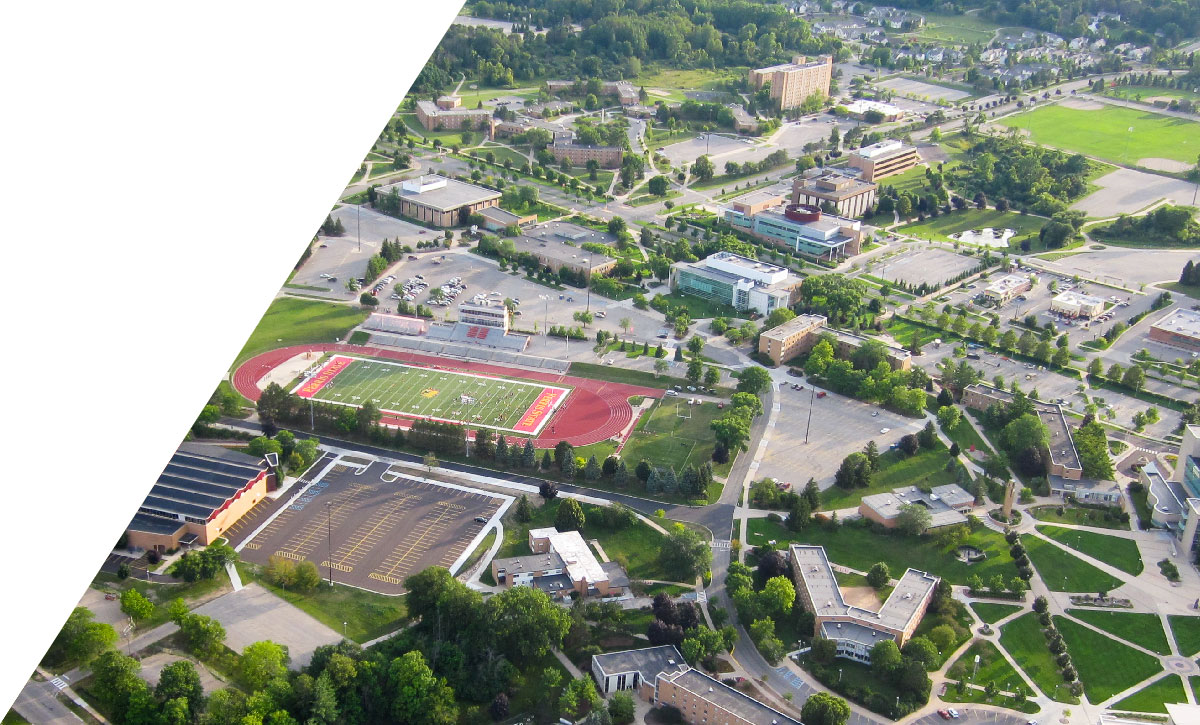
{"points": [[196, 485]]}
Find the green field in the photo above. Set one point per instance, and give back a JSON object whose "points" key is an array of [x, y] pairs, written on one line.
{"points": [[992, 613], [488, 402], [1075, 515], [1112, 550], [1141, 629], [1104, 133], [926, 468], [1186, 631], [941, 227], [1155, 696], [1064, 572], [1024, 641], [957, 29], [857, 547], [1143, 93], [666, 439], [291, 321], [1105, 666], [992, 667]]}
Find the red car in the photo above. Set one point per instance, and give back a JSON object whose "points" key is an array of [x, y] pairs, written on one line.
{"points": [[945, 715], [821, 394]]}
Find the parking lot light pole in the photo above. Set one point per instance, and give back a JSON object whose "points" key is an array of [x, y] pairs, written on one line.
{"points": [[329, 539]]}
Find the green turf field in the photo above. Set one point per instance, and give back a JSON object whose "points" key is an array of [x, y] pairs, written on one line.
{"points": [[1065, 572], [1105, 134], [1112, 550], [1143, 629], [941, 227], [497, 403], [1105, 666]]}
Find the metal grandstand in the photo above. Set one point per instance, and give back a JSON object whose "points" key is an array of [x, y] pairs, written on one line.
{"points": [[468, 352]]}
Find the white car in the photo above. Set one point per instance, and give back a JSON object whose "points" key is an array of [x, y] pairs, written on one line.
{"points": [[884, 430], [954, 713]]}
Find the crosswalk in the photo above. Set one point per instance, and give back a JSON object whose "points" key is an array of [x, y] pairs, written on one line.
{"points": [[59, 683], [719, 543]]}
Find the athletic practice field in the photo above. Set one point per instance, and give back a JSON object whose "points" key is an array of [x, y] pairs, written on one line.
{"points": [[423, 392], [1103, 131]]}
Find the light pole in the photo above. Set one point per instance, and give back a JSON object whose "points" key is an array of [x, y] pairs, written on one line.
{"points": [[587, 283], [812, 394], [329, 539]]}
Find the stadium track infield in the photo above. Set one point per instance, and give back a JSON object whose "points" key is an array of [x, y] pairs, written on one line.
{"points": [[381, 527], [594, 411]]}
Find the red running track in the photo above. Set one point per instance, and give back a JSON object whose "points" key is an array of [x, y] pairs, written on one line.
{"points": [[595, 410]]}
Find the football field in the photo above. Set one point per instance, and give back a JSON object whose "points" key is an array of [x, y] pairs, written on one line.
{"points": [[422, 392]]}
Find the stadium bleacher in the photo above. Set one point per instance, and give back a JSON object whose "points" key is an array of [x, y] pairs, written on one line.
{"points": [[468, 352]]}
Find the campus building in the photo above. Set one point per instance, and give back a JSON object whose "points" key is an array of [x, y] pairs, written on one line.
{"points": [[1176, 500], [398, 324], [742, 283], [793, 82], [861, 107], [560, 244], [801, 333], [522, 124], [439, 201], [804, 229], [1064, 459], [608, 157], [561, 564], [849, 196], [660, 676], [883, 159], [202, 492], [624, 91], [1077, 304], [945, 504], [496, 219], [484, 314], [1179, 328], [743, 120], [856, 630], [449, 115], [1005, 289]]}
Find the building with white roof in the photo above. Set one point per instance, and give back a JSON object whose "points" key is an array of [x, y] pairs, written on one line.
{"points": [[561, 563], [1005, 289], [945, 504], [742, 283], [436, 199], [883, 159], [1178, 328], [860, 107], [1076, 304]]}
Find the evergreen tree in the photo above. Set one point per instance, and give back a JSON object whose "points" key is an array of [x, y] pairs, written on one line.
{"points": [[592, 471], [670, 483], [569, 466], [546, 462], [690, 480], [621, 477], [501, 450], [652, 481], [812, 494], [528, 455], [524, 509]]}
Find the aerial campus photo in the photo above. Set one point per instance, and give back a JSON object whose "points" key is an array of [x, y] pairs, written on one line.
{"points": [[718, 362]]}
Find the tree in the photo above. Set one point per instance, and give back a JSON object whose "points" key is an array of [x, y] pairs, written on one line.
{"points": [[262, 662], [570, 516], [913, 519], [879, 575], [777, 595], [499, 707], [702, 169], [1134, 378], [731, 431], [712, 376], [137, 606], [660, 367], [658, 185], [823, 708], [524, 512], [525, 623], [621, 708], [179, 680], [753, 380], [885, 658], [420, 696], [548, 490], [948, 416], [685, 553], [1024, 433], [695, 370], [202, 634]]}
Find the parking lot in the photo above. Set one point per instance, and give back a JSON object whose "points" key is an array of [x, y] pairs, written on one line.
{"points": [[930, 265], [911, 86], [370, 526], [719, 148], [253, 614]]}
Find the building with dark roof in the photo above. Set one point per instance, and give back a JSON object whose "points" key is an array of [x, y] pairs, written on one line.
{"points": [[1064, 459], [635, 669], [848, 195], [202, 492]]}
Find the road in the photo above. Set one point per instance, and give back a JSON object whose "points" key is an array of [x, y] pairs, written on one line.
{"points": [[39, 702]]}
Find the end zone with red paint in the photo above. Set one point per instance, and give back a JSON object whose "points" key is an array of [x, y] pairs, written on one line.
{"points": [[541, 409], [313, 385], [596, 410]]}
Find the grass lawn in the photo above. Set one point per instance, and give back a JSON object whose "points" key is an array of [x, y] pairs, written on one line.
{"points": [[1063, 572], [902, 331], [1024, 641], [699, 308], [291, 321], [927, 468], [1186, 631], [942, 226], [912, 181], [859, 548], [1141, 629], [644, 199], [162, 594], [12, 717], [692, 79], [615, 374], [1073, 515], [672, 589], [1144, 93], [665, 439], [957, 29], [1155, 696], [502, 153], [992, 667], [528, 686], [1105, 666], [992, 613], [978, 696], [1112, 550], [1104, 133], [965, 435]]}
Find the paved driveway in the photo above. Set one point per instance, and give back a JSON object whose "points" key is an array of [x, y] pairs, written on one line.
{"points": [[254, 614], [969, 716], [1125, 191]]}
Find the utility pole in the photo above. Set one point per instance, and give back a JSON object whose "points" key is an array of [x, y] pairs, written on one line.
{"points": [[812, 395], [359, 227]]}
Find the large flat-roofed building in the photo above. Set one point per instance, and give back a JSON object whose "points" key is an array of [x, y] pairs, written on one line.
{"points": [[448, 115], [561, 563], [799, 334], [884, 159], [742, 283], [439, 201], [804, 229], [743, 120], [496, 219], [202, 492], [560, 244], [1064, 458], [1175, 498], [484, 314], [848, 195], [635, 669], [861, 107], [1178, 328], [522, 124], [945, 504], [608, 157], [793, 82], [1076, 304], [856, 630], [755, 202], [1005, 289]]}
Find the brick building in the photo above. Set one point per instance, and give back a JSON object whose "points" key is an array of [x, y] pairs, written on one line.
{"points": [[850, 196], [609, 157], [437, 200], [448, 115], [793, 82], [883, 159]]}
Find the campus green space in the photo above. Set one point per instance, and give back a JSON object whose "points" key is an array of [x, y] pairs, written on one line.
{"points": [[698, 307], [1186, 631], [1112, 550], [940, 228], [1139, 628], [1104, 133], [1105, 666], [1075, 515], [1144, 93], [1155, 696], [472, 96], [1022, 638], [956, 29], [292, 321], [690, 79], [925, 469], [992, 667], [992, 613], [12, 717], [502, 154], [491, 402], [965, 435], [363, 615], [902, 331], [1064, 572], [162, 594], [978, 696], [665, 438], [614, 374], [859, 548]]}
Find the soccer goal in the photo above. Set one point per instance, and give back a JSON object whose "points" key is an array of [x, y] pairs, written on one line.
{"points": [[682, 409]]}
